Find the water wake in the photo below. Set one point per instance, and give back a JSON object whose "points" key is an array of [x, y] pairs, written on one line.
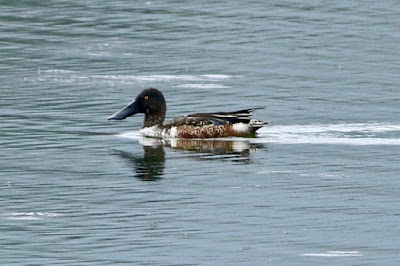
{"points": [[203, 81], [334, 254], [30, 215], [344, 134]]}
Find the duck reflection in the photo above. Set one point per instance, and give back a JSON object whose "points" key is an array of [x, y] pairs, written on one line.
{"points": [[150, 166], [212, 149]]}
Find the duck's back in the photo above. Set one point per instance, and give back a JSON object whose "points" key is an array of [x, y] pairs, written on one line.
{"points": [[215, 125]]}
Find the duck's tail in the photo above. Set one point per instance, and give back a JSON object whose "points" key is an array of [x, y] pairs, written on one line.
{"points": [[241, 116]]}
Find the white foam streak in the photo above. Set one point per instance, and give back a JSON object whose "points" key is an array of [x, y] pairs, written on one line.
{"points": [[334, 254], [343, 134], [29, 216], [155, 78], [131, 135], [343, 128], [204, 81], [202, 86]]}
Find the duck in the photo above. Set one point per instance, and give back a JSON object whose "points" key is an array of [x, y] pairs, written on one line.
{"points": [[152, 104]]}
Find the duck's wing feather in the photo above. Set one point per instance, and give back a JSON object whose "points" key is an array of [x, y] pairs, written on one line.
{"points": [[220, 118]]}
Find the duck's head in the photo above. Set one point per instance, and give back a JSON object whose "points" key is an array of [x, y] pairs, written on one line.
{"points": [[150, 102]]}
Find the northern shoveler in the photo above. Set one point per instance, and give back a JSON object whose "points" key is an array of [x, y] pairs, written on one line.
{"points": [[151, 103]]}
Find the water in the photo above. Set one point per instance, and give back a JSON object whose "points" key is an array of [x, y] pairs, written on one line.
{"points": [[319, 186]]}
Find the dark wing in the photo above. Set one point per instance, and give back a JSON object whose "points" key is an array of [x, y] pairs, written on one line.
{"points": [[242, 116], [189, 120], [221, 118]]}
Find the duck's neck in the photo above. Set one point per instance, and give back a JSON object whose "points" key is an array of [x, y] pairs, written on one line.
{"points": [[153, 119]]}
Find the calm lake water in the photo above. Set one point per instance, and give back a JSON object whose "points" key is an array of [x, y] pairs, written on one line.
{"points": [[319, 186]]}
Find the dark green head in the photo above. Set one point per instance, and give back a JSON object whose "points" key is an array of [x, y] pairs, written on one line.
{"points": [[150, 102]]}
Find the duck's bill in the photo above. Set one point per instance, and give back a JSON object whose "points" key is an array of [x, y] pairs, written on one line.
{"points": [[129, 110]]}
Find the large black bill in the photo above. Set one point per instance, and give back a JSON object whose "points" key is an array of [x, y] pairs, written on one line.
{"points": [[131, 109]]}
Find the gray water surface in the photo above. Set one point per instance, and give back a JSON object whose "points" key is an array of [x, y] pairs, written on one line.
{"points": [[319, 186]]}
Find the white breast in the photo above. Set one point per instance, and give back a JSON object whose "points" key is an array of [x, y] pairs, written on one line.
{"points": [[153, 131]]}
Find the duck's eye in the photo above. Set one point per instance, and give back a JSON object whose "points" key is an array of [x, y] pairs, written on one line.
{"points": [[146, 97]]}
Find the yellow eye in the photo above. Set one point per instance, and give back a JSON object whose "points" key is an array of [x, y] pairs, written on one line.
{"points": [[146, 97]]}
